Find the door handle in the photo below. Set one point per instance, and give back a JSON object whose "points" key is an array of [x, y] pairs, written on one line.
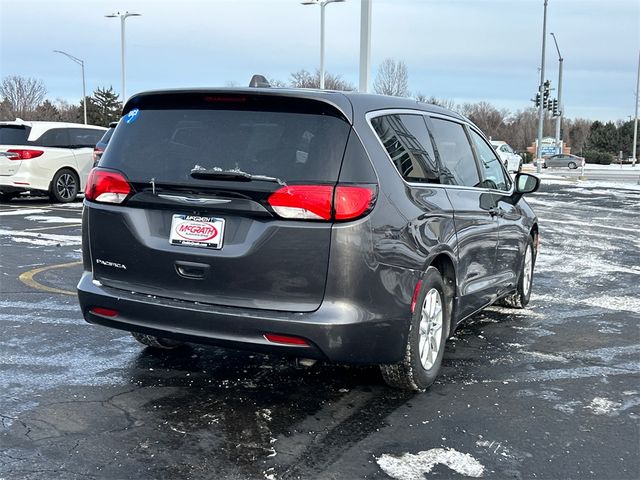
{"points": [[191, 270]]}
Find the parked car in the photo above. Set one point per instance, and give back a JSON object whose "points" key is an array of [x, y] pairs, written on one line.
{"points": [[563, 160], [512, 160], [324, 225], [98, 150], [45, 157]]}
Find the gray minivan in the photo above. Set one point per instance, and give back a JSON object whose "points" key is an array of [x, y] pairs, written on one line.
{"points": [[343, 227]]}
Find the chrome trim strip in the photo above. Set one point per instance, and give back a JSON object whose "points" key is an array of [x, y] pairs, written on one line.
{"points": [[192, 200]]}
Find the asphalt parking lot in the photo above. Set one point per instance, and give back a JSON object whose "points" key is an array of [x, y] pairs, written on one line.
{"points": [[550, 392]]}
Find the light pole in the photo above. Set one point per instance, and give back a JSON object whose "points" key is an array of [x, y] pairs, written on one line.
{"points": [[541, 92], [560, 109], [323, 4], [123, 17], [84, 92], [365, 44], [635, 121]]}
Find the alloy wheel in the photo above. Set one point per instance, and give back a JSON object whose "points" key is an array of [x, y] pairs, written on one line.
{"points": [[66, 186], [527, 271], [430, 330]]}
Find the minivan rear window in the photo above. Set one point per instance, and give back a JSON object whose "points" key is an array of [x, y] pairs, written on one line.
{"points": [[167, 144], [14, 134]]}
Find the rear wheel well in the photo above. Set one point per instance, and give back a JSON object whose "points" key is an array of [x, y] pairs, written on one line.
{"points": [[72, 170], [445, 266]]}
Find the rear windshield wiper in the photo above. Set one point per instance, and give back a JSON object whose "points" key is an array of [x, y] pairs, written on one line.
{"points": [[230, 175]]}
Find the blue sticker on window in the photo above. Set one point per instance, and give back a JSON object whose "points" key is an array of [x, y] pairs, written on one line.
{"points": [[131, 116]]}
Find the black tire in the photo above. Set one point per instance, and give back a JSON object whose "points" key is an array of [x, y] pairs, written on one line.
{"points": [[156, 342], [410, 373], [572, 165], [520, 298], [6, 197], [65, 186]]}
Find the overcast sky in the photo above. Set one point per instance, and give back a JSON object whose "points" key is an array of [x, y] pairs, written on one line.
{"points": [[463, 50]]}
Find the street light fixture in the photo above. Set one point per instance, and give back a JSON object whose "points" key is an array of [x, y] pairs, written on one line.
{"points": [[84, 93], [123, 17], [560, 109], [323, 4]]}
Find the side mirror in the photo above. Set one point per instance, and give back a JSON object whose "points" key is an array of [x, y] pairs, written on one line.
{"points": [[526, 183]]}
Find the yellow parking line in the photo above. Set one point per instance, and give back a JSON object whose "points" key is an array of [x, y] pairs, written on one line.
{"points": [[28, 280]]}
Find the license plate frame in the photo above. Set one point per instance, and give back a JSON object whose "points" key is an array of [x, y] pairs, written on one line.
{"points": [[197, 231]]}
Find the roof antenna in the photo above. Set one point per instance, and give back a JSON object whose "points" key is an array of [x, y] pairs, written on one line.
{"points": [[259, 81]]}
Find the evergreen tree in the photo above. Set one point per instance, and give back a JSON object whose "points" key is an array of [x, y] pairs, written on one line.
{"points": [[103, 107], [47, 111]]}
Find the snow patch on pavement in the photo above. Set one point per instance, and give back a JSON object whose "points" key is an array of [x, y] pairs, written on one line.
{"points": [[23, 212], [603, 406], [413, 467], [45, 219], [69, 205], [630, 303], [45, 239]]}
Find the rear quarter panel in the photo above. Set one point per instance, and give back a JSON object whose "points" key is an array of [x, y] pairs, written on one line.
{"points": [[40, 171]]}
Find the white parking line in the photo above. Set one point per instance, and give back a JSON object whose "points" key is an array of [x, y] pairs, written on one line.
{"points": [[23, 212]]}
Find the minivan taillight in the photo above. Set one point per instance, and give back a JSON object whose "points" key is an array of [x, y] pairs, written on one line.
{"points": [[23, 153], [323, 202], [352, 201], [303, 202], [106, 187]]}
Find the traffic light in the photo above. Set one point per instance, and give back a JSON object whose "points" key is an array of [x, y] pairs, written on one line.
{"points": [[545, 91], [537, 100], [555, 111]]}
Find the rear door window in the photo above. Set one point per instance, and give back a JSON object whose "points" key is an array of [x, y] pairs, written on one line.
{"points": [[168, 143], [458, 166], [14, 134], [84, 137], [406, 140], [56, 137]]}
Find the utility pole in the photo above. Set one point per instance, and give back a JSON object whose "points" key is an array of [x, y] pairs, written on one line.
{"points": [[84, 88], [123, 17], [541, 92], [365, 45], [323, 4], [635, 121], [560, 109]]}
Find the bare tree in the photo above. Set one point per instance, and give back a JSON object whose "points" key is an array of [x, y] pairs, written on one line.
{"points": [[68, 112], [576, 133], [305, 79], [275, 83], [23, 94], [487, 117], [392, 78], [441, 102]]}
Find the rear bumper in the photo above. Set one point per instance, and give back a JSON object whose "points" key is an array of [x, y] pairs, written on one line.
{"points": [[338, 331]]}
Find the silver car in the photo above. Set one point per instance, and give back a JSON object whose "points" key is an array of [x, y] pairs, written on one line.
{"points": [[564, 160]]}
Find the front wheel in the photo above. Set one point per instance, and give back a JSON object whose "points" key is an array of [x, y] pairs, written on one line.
{"points": [[64, 186], [521, 297], [573, 165], [425, 346]]}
